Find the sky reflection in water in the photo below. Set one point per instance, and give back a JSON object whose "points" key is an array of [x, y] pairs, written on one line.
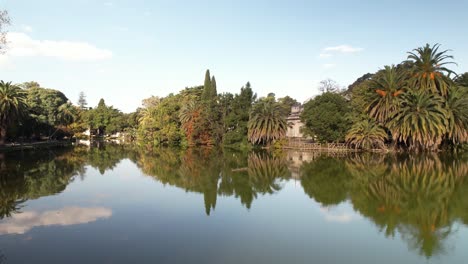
{"points": [[119, 204]]}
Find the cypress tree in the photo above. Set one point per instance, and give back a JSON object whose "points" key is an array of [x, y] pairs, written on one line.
{"points": [[82, 101], [207, 87], [214, 91]]}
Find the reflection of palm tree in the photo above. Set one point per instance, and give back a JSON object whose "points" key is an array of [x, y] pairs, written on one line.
{"points": [[34, 176], [414, 196], [10, 206], [264, 171], [203, 171]]}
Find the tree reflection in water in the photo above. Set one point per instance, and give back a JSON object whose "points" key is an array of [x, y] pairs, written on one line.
{"points": [[420, 197], [213, 173]]}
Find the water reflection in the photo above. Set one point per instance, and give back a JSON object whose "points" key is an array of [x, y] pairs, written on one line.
{"points": [[30, 175], [421, 198], [214, 173], [418, 197], [20, 223]]}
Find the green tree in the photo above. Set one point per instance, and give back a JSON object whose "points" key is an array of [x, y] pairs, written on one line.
{"points": [[208, 89], [267, 122], [31, 84], [190, 119], [44, 113], [12, 106], [209, 122], [106, 119], [359, 81], [326, 117], [82, 103], [214, 88], [430, 67], [462, 80], [457, 114], [367, 134], [420, 123], [159, 123], [237, 118], [286, 104], [389, 85]]}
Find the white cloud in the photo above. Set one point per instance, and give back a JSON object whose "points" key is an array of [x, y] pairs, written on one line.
{"points": [[329, 51], [21, 45], [325, 55], [5, 62], [23, 222], [123, 29], [343, 49], [329, 65], [338, 215], [26, 28]]}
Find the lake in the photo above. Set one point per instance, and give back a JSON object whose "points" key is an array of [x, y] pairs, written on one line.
{"points": [[117, 204]]}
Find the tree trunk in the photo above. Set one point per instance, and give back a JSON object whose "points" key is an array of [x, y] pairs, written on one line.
{"points": [[3, 131]]}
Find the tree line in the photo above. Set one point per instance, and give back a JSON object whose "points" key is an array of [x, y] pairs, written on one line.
{"points": [[419, 105], [29, 112]]}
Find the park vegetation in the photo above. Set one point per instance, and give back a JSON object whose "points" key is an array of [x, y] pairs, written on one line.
{"points": [[417, 105], [421, 104]]}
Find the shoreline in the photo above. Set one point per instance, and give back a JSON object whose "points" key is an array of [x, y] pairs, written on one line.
{"points": [[34, 145]]}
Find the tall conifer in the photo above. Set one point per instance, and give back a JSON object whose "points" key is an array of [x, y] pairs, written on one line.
{"points": [[207, 87], [214, 91]]}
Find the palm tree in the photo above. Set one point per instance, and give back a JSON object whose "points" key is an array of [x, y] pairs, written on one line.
{"points": [[267, 123], [67, 113], [366, 134], [388, 85], [420, 122], [12, 105], [457, 110], [430, 68], [189, 114]]}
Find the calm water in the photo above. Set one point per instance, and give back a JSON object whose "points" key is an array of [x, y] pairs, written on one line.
{"points": [[111, 204]]}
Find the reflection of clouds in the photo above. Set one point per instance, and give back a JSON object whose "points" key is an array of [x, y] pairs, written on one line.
{"points": [[98, 198], [338, 215], [23, 222]]}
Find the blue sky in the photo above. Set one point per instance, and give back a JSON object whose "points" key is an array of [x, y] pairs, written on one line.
{"points": [[127, 50]]}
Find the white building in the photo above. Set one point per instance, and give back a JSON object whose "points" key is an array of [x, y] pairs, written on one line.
{"points": [[294, 122]]}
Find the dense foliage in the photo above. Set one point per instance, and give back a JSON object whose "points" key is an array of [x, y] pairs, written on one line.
{"points": [[326, 117], [419, 104]]}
